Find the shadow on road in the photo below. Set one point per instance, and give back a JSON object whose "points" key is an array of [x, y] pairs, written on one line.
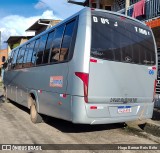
{"points": [[68, 127], [1, 98]]}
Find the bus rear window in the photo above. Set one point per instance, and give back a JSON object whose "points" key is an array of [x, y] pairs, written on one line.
{"points": [[121, 39]]}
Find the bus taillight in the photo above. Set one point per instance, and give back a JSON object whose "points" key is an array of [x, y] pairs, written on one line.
{"points": [[153, 67], [93, 107], [84, 77]]}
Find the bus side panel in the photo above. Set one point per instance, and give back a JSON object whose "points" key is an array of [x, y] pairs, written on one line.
{"points": [[49, 102], [49, 82], [53, 104], [10, 85], [22, 96]]}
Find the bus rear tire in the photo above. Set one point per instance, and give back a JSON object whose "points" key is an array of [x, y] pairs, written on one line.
{"points": [[35, 117]]}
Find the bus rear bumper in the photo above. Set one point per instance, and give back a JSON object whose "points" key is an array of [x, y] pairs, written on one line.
{"points": [[93, 121], [91, 113], [117, 120]]}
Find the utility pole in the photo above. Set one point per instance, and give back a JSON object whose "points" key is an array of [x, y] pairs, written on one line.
{"points": [[127, 4]]}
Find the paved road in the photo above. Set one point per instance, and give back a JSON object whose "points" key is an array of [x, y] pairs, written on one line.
{"points": [[16, 127]]}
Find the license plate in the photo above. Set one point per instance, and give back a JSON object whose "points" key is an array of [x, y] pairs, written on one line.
{"points": [[124, 109]]}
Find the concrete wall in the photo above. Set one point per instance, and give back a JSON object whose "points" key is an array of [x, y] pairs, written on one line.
{"points": [[4, 53], [9, 49], [19, 42], [102, 3], [54, 22], [23, 40], [107, 2]]}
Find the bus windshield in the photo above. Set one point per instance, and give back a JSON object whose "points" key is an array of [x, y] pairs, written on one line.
{"points": [[118, 38]]}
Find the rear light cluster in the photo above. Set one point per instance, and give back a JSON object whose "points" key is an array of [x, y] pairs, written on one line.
{"points": [[84, 77], [93, 107], [153, 67], [93, 60]]}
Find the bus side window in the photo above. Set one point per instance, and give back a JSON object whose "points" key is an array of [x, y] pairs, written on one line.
{"points": [[42, 45], [55, 51], [35, 49], [67, 41], [10, 60], [29, 56], [14, 58], [20, 57], [25, 55], [48, 46]]}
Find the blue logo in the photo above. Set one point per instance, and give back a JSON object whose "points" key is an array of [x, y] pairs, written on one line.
{"points": [[151, 72]]}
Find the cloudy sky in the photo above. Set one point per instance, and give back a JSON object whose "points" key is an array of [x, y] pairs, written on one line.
{"points": [[17, 15]]}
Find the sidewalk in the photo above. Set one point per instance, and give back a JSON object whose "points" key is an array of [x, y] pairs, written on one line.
{"points": [[149, 128], [153, 125]]}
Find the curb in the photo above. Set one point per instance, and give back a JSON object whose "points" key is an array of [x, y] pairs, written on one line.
{"points": [[148, 129], [152, 128]]}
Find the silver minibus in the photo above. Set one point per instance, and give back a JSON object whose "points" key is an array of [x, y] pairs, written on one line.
{"points": [[96, 67]]}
